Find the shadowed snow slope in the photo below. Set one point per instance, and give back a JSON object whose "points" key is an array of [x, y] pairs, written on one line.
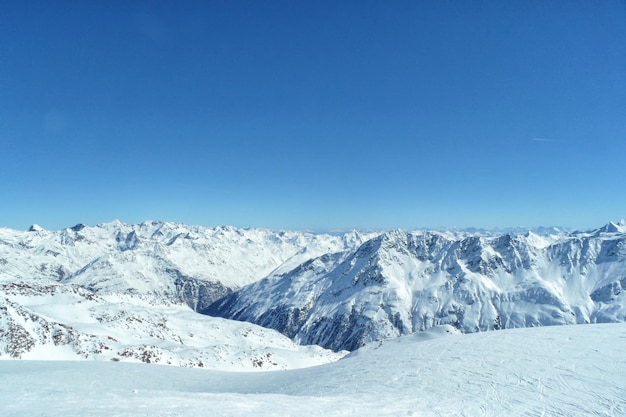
{"points": [[399, 283], [555, 371]]}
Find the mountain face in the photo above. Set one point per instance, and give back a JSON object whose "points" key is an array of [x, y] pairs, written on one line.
{"points": [[129, 292], [399, 283]]}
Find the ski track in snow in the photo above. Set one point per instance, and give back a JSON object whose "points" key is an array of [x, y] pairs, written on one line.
{"points": [[549, 371]]}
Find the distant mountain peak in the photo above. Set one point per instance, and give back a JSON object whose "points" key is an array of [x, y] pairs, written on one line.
{"points": [[611, 227], [78, 227]]}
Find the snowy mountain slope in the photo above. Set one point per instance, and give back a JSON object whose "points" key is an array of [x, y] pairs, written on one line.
{"points": [[56, 321], [122, 292], [399, 283], [106, 292], [192, 264], [560, 371]]}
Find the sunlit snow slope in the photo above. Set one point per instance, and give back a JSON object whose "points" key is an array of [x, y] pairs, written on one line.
{"points": [[127, 293], [559, 371], [65, 322]]}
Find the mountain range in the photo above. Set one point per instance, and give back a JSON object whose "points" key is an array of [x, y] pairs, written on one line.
{"points": [[399, 283], [133, 292]]}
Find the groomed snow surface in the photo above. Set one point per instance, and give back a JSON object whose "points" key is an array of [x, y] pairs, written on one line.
{"points": [[553, 371]]}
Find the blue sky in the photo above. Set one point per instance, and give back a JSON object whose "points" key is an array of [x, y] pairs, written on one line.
{"points": [[313, 114]]}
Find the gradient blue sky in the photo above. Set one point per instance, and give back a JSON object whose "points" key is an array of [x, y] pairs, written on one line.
{"points": [[313, 114]]}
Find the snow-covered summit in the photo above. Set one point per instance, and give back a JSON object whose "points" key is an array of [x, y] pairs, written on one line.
{"points": [[35, 228], [611, 227]]}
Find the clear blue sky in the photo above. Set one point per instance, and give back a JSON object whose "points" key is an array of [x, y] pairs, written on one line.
{"points": [[313, 114]]}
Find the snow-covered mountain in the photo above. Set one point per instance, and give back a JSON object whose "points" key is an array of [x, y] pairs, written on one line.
{"points": [[131, 292], [399, 283], [127, 293], [193, 264]]}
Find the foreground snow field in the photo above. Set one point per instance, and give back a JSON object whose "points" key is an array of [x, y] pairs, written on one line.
{"points": [[555, 371]]}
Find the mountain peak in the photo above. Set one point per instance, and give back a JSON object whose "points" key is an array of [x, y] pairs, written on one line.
{"points": [[35, 228], [611, 227], [78, 227]]}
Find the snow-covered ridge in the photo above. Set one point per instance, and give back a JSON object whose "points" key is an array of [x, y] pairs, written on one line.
{"points": [[399, 283], [193, 264]]}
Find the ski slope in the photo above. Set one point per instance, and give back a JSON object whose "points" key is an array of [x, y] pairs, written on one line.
{"points": [[554, 371]]}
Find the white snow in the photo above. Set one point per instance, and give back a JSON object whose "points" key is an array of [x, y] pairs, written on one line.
{"points": [[549, 371], [62, 322], [89, 255]]}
